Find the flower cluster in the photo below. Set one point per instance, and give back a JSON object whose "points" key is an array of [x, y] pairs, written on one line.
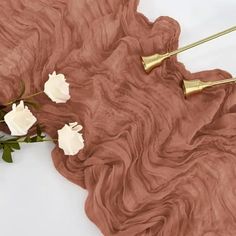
{"points": [[20, 120]]}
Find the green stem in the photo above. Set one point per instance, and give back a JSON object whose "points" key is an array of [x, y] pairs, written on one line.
{"points": [[22, 141], [25, 98], [32, 95]]}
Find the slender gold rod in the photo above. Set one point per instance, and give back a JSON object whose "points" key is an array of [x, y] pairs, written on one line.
{"points": [[150, 62], [196, 86]]}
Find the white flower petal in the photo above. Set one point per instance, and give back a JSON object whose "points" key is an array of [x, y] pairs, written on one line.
{"points": [[70, 140], [20, 119], [56, 88], [73, 124]]}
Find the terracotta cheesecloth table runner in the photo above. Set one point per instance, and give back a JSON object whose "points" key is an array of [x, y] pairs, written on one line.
{"points": [[154, 163]]}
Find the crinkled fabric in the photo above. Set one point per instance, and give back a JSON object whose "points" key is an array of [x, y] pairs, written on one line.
{"points": [[154, 163]]}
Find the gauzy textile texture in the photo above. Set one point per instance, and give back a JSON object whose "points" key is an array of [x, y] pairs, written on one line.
{"points": [[154, 163]]}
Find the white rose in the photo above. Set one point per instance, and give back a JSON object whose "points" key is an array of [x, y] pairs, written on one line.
{"points": [[56, 88], [19, 120], [69, 138]]}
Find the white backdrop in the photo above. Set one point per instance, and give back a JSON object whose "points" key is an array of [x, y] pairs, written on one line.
{"points": [[35, 200]]}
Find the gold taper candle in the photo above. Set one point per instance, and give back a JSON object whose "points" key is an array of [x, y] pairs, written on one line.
{"points": [[150, 62], [196, 86]]}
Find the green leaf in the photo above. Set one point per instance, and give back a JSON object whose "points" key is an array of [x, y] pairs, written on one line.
{"points": [[33, 139], [39, 139], [15, 146], [6, 156], [27, 139], [2, 114]]}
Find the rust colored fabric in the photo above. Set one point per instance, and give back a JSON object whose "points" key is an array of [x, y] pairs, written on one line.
{"points": [[154, 163]]}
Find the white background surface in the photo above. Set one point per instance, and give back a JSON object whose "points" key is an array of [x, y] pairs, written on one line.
{"points": [[35, 200]]}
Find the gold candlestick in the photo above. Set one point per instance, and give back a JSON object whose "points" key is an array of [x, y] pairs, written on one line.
{"points": [[150, 62], [196, 86]]}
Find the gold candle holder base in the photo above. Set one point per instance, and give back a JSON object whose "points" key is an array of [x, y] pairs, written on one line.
{"points": [[196, 86], [150, 62]]}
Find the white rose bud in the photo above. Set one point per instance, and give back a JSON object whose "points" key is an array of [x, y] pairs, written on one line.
{"points": [[56, 88], [19, 120], [69, 138]]}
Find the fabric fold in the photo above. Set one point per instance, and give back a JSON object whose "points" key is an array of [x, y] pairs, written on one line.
{"points": [[153, 163]]}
